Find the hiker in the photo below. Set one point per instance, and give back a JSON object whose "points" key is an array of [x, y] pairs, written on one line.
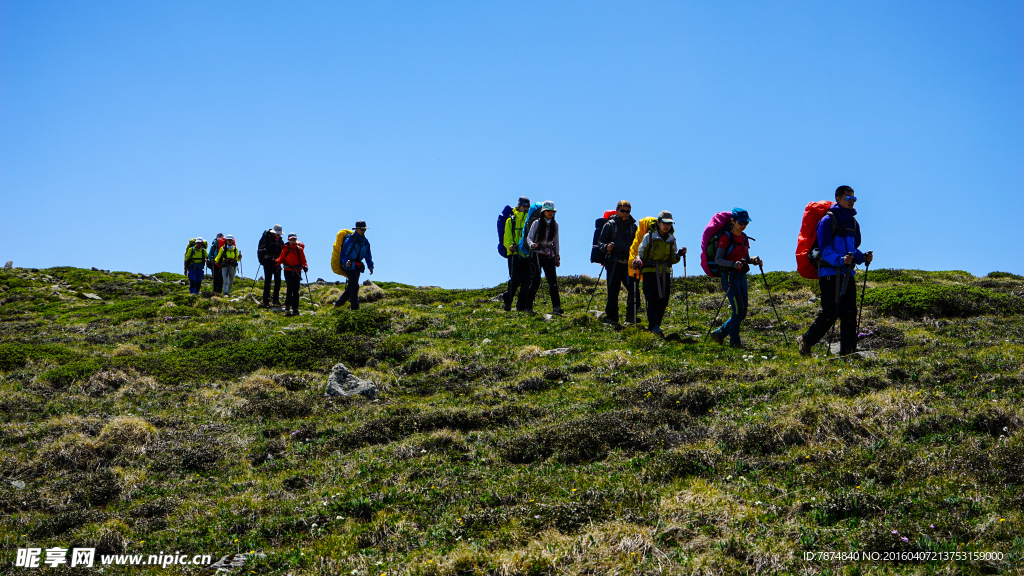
{"points": [[543, 241], [616, 238], [211, 263], [518, 264], [269, 249], [655, 257], [734, 260], [195, 264], [353, 251], [293, 259], [227, 261], [838, 240]]}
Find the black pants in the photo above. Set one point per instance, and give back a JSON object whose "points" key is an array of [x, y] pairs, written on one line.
{"points": [[546, 264], [351, 293], [618, 275], [846, 313], [218, 280], [272, 271], [293, 280], [656, 305], [520, 280]]}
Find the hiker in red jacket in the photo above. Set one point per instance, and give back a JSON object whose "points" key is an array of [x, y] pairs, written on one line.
{"points": [[293, 259]]}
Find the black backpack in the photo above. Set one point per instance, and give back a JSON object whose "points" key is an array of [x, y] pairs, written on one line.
{"points": [[598, 256]]}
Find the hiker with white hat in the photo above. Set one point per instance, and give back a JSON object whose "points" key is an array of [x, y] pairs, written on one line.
{"points": [[543, 241], [267, 252], [654, 258], [228, 258]]}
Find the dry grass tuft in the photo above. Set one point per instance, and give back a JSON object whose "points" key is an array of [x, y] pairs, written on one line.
{"points": [[126, 349], [528, 352], [69, 452], [126, 434]]}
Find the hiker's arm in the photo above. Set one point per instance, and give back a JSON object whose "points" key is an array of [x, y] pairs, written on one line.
{"points": [[369, 258], [558, 253], [604, 243], [825, 240], [722, 262], [507, 238], [675, 256], [531, 234]]}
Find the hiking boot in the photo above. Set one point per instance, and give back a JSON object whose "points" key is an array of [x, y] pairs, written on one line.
{"points": [[264, 305], [530, 311], [718, 337], [802, 346], [506, 307], [737, 345], [556, 312], [657, 331]]}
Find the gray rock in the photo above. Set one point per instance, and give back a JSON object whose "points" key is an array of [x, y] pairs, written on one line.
{"points": [[486, 341], [321, 281], [9, 265], [91, 296], [18, 484], [343, 382], [367, 282], [556, 351]]}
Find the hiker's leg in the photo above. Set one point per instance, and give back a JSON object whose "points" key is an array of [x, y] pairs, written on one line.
{"points": [[551, 275], [650, 288], [666, 285], [218, 279], [521, 275], [826, 316], [731, 325], [632, 297], [506, 298], [611, 307], [277, 285], [290, 287], [848, 320], [227, 279], [741, 312], [535, 281], [352, 289]]}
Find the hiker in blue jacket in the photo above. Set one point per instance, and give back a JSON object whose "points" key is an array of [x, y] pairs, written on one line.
{"points": [[354, 250], [839, 242]]}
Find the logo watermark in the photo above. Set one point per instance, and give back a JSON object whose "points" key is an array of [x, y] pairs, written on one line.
{"points": [[86, 558]]}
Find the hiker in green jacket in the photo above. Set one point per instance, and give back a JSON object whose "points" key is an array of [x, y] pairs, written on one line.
{"points": [[519, 264], [655, 257], [227, 260]]}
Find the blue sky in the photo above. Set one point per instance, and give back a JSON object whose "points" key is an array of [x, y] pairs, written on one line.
{"points": [[128, 127]]}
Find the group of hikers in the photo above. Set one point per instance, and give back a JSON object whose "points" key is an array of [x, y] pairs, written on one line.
{"points": [[276, 255], [642, 252], [634, 252]]}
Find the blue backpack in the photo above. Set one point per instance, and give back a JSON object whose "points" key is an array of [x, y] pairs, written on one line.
{"points": [[531, 217], [502, 218]]}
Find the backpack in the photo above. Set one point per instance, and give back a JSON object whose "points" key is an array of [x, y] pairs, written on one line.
{"points": [[531, 217], [506, 213], [191, 246], [218, 245], [339, 240], [808, 255], [598, 256], [709, 242], [261, 249], [644, 225]]}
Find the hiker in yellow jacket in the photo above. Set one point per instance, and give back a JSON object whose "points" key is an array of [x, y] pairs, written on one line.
{"points": [[655, 256], [227, 260], [518, 264]]}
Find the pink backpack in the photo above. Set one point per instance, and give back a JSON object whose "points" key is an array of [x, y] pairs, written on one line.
{"points": [[718, 221]]}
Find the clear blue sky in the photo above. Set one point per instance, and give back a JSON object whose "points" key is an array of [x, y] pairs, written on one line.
{"points": [[128, 127]]}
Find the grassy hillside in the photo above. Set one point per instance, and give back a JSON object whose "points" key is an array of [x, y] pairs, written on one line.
{"points": [[139, 419]]}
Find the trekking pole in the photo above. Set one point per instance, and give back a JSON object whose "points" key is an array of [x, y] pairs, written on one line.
{"points": [[867, 265], [241, 271], [715, 321], [596, 284], [686, 291], [258, 266], [311, 302], [763, 277]]}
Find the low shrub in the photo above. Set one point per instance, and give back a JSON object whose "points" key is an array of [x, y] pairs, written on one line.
{"points": [[368, 321], [910, 302]]}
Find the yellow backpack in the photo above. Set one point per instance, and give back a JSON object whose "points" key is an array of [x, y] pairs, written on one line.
{"points": [[641, 230], [336, 253]]}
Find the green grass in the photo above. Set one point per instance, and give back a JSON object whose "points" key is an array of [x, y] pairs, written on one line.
{"points": [[152, 420]]}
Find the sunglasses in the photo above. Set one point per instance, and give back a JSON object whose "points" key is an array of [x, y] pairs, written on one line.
{"points": [[624, 210], [850, 198]]}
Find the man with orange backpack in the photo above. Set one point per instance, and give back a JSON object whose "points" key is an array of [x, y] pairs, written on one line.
{"points": [[838, 250], [293, 259]]}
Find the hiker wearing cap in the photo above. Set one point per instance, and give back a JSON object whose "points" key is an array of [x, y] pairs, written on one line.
{"points": [[195, 264], [228, 258], [616, 237], [518, 263], [543, 241], [655, 257], [734, 260], [267, 252], [293, 259], [354, 250], [838, 240], [211, 263]]}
